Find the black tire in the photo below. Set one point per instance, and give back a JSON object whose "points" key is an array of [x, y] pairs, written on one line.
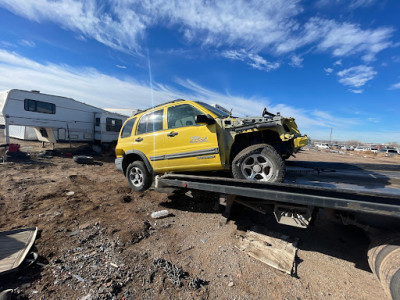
{"points": [[378, 249], [259, 162], [389, 273], [138, 176], [83, 159], [384, 260]]}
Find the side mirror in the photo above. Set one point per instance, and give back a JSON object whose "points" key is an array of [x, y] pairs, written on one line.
{"points": [[204, 119]]}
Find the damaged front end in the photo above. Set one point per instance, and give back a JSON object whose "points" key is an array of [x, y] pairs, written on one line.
{"points": [[285, 128]]}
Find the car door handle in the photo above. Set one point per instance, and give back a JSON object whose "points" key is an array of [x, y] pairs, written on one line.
{"points": [[172, 133], [139, 139]]}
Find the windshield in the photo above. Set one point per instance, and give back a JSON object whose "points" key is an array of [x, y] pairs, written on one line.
{"points": [[214, 110]]}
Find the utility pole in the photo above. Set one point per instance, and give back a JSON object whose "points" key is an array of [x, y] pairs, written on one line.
{"points": [[330, 139]]}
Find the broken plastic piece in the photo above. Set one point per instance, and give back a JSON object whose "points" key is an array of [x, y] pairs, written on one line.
{"points": [[159, 214]]}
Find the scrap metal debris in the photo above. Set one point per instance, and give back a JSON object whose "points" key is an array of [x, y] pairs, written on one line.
{"points": [[145, 232], [94, 267], [175, 274]]}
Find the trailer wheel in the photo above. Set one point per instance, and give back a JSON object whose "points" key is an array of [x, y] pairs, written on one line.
{"points": [[384, 260], [259, 162], [138, 176]]}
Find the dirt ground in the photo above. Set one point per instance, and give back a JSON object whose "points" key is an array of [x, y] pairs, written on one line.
{"points": [[97, 239]]}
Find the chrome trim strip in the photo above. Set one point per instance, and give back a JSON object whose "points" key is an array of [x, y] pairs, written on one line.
{"points": [[185, 154]]}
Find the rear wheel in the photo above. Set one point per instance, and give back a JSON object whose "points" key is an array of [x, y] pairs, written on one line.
{"points": [[138, 176], [384, 260], [259, 162]]}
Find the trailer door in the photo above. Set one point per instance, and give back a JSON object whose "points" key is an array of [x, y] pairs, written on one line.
{"points": [[97, 126]]}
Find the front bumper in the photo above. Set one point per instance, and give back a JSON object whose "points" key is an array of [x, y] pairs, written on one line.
{"points": [[118, 163], [300, 142]]}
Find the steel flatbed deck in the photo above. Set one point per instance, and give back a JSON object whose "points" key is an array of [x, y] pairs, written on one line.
{"points": [[337, 199]]}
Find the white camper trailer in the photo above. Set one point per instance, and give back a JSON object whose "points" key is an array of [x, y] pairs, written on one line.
{"points": [[57, 119]]}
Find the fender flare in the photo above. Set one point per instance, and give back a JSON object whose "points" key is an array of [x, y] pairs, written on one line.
{"points": [[143, 157]]}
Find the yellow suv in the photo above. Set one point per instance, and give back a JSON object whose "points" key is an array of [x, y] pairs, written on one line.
{"points": [[184, 136]]}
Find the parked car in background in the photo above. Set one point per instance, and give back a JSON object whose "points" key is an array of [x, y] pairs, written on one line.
{"points": [[389, 152], [360, 148], [322, 146], [374, 149]]}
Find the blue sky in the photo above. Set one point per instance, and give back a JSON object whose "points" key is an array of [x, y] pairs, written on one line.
{"points": [[328, 63]]}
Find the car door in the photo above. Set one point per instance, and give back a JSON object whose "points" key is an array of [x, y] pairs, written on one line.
{"points": [[149, 139], [190, 146]]}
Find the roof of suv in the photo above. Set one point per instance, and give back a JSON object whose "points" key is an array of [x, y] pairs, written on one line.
{"points": [[159, 105]]}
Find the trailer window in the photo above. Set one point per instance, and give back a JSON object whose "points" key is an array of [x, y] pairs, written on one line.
{"points": [[39, 106], [113, 124], [127, 129]]}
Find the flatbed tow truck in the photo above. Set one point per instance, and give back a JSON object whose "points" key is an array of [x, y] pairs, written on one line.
{"points": [[297, 205]]}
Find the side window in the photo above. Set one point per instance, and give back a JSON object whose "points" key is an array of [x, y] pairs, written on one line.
{"points": [[142, 125], [39, 106], [127, 129], [113, 124], [182, 116], [151, 122]]}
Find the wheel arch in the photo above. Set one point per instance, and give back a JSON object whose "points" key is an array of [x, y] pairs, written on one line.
{"points": [[245, 140], [134, 155]]}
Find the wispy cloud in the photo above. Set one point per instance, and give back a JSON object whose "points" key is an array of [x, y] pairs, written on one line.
{"points": [[356, 76], [328, 71], [361, 3], [119, 29], [374, 120], [344, 39], [296, 61], [356, 91], [350, 4], [7, 44], [395, 86], [120, 67], [27, 43], [272, 27], [254, 60]]}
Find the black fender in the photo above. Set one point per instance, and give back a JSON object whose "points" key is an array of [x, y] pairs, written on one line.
{"points": [[142, 156]]}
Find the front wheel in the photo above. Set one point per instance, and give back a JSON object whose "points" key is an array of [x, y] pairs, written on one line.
{"points": [[259, 163], [138, 176]]}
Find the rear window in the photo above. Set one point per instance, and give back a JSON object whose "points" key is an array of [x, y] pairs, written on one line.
{"points": [[127, 129]]}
